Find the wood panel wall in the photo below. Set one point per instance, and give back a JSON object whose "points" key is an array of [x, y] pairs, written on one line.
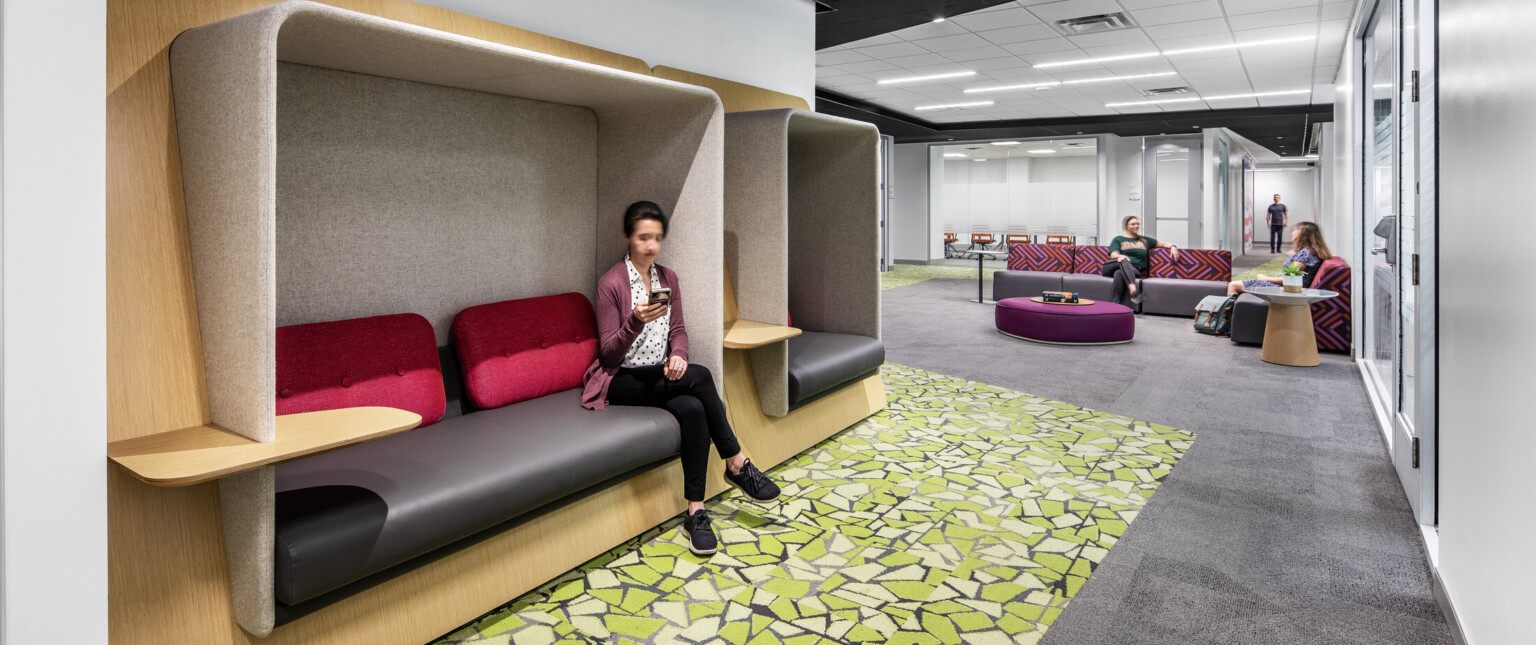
{"points": [[168, 578]]}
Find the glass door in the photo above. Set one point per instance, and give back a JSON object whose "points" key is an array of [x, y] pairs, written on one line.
{"points": [[1172, 177]]}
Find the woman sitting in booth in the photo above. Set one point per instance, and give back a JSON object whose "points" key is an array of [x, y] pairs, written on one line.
{"points": [[1129, 260], [642, 360], [1307, 249]]}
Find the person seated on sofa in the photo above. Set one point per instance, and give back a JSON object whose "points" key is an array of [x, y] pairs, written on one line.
{"points": [[1128, 259], [642, 360], [1307, 249]]}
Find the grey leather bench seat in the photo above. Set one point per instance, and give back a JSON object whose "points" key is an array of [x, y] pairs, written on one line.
{"points": [[820, 362], [352, 512]]}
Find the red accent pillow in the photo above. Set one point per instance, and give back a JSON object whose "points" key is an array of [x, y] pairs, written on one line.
{"points": [[1043, 257], [518, 350], [388, 361], [1088, 259], [1193, 264]]}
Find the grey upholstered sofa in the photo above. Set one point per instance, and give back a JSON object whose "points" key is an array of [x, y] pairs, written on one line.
{"points": [[1173, 288]]}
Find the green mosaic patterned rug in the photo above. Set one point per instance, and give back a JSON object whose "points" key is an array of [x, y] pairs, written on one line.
{"points": [[961, 513]]}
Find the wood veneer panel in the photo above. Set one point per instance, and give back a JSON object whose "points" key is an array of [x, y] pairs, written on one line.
{"points": [[745, 334], [737, 97]]}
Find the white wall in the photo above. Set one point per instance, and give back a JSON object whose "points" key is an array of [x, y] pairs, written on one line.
{"points": [[909, 202], [1298, 191], [767, 43], [1486, 441], [1125, 190], [53, 395]]}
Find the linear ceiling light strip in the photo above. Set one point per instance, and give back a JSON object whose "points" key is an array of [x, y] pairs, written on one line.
{"points": [[1174, 52], [1251, 95]]}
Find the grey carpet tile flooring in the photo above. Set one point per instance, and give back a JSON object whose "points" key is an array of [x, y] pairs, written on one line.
{"points": [[1285, 523]]}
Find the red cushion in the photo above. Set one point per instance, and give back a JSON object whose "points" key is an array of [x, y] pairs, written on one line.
{"points": [[1088, 259], [1330, 318], [1040, 257], [388, 361], [1193, 264], [518, 350]]}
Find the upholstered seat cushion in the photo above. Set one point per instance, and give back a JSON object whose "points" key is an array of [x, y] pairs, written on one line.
{"points": [[820, 362], [1015, 284], [349, 513], [1176, 297]]}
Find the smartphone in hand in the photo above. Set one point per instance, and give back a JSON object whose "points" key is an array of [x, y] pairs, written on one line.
{"points": [[662, 296]]}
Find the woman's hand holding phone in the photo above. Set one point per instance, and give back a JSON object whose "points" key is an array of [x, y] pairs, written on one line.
{"points": [[650, 311]]}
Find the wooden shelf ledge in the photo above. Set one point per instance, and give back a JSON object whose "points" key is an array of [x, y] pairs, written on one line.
{"points": [[205, 453], [745, 334]]}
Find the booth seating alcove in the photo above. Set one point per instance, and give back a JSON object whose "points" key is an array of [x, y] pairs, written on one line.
{"points": [[801, 246], [337, 165]]}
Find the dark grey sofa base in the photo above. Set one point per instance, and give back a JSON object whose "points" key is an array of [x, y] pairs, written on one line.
{"points": [[1024, 284], [1248, 319], [1173, 297]]}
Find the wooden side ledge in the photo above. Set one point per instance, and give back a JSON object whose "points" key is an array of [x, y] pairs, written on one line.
{"points": [[745, 334], [204, 453]]}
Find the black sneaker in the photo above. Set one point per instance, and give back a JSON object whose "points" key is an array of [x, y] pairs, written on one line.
{"points": [[701, 538], [753, 483]]}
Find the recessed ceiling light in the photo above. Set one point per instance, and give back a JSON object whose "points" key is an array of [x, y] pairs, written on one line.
{"points": [[938, 20], [1102, 79], [1042, 152], [1005, 143], [947, 106], [1209, 98], [978, 160], [1173, 52], [930, 77], [1004, 88], [955, 155]]}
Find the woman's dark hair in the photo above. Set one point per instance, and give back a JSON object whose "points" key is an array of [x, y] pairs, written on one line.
{"points": [[1126, 225], [643, 210], [1311, 239]]}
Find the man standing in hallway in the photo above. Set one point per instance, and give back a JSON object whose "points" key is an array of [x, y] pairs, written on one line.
{"points": [[1278, 218]]}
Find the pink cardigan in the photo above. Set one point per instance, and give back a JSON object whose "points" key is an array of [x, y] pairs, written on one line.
{"points": [[617, 330]]}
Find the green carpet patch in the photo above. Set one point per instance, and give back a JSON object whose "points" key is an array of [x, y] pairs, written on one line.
{"points": [[961, 513]]}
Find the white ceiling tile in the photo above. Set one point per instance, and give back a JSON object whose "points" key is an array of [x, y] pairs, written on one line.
{"points": [[943, 68], [857, 88], [1196, 42], [929, 30], [1121, 50], [1011, 16], [1112, 38], [829, 72], [839, 57], [1178, 13], [1340, 26], [1191, 28], [951, 43], [1040, 46], [882, 39], [1237, 7], [866, 66], [1228, 104], [1053, 11], [892, 50], [1323, 93], [1225, 64], [1133, 5], [1017, 34], [1276, 33], [1339, 10], [1291, 99], [838, 81], [1136, 109], [978, 53], [1005, 62], [921, 60], [1297, 16]]}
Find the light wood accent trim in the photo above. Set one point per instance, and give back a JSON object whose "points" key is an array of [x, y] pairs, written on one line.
{"points": [[1289, 337], [746, 334], [737, 97], [772, 440], [207, 452]]}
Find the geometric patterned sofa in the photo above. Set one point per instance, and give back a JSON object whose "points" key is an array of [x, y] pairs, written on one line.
{"points": [[1330, 318], [1171, 287]]}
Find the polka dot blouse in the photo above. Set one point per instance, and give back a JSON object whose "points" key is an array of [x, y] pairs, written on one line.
{"points": [[650, 347]]}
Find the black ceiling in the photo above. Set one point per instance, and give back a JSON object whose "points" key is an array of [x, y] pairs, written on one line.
{"points": [[860, 19], [1285, 130]]}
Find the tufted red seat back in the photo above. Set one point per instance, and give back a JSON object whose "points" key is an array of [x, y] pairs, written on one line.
{"points": [[518, 350], [388, 361]]}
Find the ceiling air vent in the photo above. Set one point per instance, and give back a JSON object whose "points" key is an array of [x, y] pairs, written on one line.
{"points": [[1093, 24], [1163, 91]]}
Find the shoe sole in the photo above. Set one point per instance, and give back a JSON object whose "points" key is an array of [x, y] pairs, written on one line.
{"points": [[698, 552], [736, 486]]}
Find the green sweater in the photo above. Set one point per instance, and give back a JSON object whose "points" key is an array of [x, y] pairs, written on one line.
{"points": [[1135, 250]]}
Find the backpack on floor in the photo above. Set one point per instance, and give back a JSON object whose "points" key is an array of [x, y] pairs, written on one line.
{"points": [[1214, 315]]}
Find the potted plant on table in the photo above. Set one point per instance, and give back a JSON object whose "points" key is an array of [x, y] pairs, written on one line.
{"points": [[1290, 277]]}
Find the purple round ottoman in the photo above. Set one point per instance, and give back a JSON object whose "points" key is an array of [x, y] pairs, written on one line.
{"points": [[1101, 323]]}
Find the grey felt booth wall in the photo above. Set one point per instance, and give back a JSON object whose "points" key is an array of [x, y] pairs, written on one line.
{"points": [[418, 171], [801, 230]]}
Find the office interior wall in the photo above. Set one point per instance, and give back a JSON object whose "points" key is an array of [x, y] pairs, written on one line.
{"points": [[909, 203], [53, 389], [766, 43], [1487, 104], [1125, 191]]}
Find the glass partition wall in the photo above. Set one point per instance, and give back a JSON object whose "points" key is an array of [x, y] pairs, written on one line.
{"points": [[1042, 190]]}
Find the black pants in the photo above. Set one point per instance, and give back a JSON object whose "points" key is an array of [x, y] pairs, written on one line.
{"points": [[695, 404], [1125, 274], [1275, 231]]}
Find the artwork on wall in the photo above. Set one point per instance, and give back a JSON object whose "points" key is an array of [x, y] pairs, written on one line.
{"points": [[1247, 203]]}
